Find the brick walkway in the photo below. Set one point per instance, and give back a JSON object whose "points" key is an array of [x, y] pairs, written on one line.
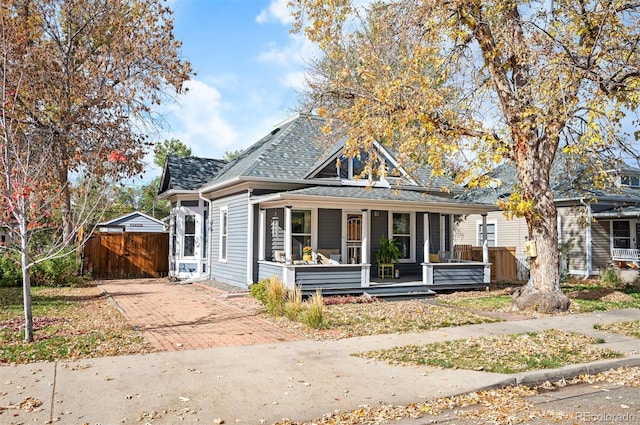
{"points": [[190, 316]]}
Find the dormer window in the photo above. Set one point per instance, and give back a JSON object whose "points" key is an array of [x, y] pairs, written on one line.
{"points": [[631, 181], [352, 168]]}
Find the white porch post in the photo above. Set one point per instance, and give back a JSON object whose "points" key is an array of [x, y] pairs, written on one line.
{"points": [[451, 224], [443, 246], [485, 250], [365, 237], [287, 235], [262, 228], [364, 249], [425, 220], [427, 267]]}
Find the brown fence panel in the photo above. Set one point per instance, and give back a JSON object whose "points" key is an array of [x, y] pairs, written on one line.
{"points": [[127, 255], [503, 262]]}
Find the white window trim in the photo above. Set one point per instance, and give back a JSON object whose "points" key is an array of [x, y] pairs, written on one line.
{"points": [[632, 233], [313, 224], [479, 225], [412, 234], [224, 233], [194, 235]]}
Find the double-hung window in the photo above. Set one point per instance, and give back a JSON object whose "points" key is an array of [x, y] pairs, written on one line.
{"points": [[401, 231], [224, 232], [491, 234], [621, 234], [189, 239], [300, 232]]}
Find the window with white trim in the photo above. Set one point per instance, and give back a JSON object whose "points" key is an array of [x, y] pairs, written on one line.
{"points": [[491, 234], [402, 230], [621, 234], [300, 232], [224, 232], [189, 237], [631, 181]]}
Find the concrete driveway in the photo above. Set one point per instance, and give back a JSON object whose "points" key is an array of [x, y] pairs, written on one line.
{"points": [[176, 316]]}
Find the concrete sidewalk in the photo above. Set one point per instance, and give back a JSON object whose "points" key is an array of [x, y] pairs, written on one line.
{"points": [[264, 383]]}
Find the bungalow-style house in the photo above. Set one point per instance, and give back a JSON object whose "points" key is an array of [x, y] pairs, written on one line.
{"points": [[292, 205], [601, 226], [132, 222]]}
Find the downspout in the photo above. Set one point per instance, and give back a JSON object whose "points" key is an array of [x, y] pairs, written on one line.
{"points": [[587, 236]]}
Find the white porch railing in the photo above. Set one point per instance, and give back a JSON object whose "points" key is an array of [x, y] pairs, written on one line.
{"points": [[625, 254]]}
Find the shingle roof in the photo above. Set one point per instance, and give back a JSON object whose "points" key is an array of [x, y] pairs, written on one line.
{"points": [[379, 194], [568, 178], [188, 173], [293, 150]]}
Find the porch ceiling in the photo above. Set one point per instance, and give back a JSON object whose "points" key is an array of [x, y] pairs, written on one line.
{"points": [[372, 198]]}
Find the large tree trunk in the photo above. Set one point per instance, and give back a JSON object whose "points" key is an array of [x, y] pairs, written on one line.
{"points": [[66, 212], [542, 292]]}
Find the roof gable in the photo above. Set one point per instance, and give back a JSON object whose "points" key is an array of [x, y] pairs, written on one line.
{"points": [[298, 150], [128, 217]]}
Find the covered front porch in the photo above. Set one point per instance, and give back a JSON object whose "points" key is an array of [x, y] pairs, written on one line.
{"points": [[329, 243]]}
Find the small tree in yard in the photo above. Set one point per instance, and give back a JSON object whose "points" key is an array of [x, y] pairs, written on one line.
{"points": [[76, 79], [465, 85]]}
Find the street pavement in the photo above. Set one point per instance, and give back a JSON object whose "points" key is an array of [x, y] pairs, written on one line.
{"points": [[257, 382]]}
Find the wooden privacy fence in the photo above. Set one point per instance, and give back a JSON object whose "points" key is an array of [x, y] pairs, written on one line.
{"points": [[503, 260], [123, 255]]}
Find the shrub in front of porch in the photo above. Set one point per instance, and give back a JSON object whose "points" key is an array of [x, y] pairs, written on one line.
{"points": [[279, 302]]}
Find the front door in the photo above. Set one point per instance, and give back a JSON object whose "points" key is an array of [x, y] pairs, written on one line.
{"points": [[354, 238], [637, 234]]}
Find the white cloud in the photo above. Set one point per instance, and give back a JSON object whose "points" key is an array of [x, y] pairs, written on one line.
{"points": [[298, 52], [199, 123], [276, 12], [294, 80]]}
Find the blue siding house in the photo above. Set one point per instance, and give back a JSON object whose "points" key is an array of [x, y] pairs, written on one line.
{"points": [[295, 206], [132, 222]]}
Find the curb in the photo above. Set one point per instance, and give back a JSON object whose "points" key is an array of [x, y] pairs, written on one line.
{"points": [[573, 371], [538, 377]]}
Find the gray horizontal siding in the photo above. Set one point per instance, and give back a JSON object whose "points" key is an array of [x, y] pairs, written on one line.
{"points": [[266, 270], [234, 270], [455, 273], [310, 278]]}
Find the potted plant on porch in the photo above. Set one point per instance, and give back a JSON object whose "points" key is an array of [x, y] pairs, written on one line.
{"points": [[386, 256], [307, 253]]}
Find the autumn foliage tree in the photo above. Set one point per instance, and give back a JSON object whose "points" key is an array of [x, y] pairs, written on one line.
{"points": [[79, 84], [464, 85], [101, 67]]}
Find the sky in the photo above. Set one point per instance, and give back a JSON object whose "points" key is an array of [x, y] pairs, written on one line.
{"points": [[249, 73]]}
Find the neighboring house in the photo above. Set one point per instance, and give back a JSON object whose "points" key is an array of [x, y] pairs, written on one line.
{"points": [[603, 226], [295, 189], [132, 222]]}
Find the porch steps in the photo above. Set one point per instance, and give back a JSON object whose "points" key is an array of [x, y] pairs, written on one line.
{"points": [[387, 292], [393, 291]]}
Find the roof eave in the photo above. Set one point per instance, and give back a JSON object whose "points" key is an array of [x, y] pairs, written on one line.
{"points": [[280, 199]]}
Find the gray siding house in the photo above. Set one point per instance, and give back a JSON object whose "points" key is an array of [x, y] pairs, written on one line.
{"points": [[132, 222], [293, 205], [603, 226]]}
